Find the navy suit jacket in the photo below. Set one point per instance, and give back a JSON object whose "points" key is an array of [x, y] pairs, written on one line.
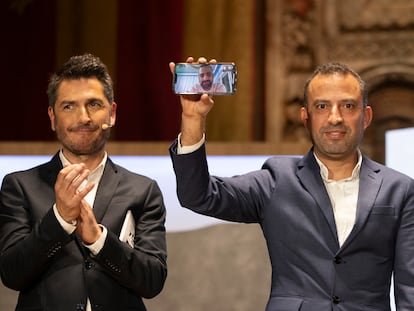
{"points": [[53, 270], [310, 271]]}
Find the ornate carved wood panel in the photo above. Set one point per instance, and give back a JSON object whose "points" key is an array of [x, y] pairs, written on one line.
{"points": [[374, 37]]}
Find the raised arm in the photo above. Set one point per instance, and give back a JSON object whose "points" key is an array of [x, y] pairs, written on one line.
{"points": [[194, 112]]}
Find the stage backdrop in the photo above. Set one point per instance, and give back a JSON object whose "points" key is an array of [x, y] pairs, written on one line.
{"points": [[137, 40]]}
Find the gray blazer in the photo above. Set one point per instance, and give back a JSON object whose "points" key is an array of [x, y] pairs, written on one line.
{"points": [[310, 271], [53, 270]]}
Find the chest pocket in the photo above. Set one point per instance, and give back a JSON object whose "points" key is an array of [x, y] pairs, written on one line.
{"points": [[384, 210]]}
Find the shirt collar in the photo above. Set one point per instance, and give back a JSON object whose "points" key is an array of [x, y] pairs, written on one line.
{"points": [[98, 170], [325, 173]]}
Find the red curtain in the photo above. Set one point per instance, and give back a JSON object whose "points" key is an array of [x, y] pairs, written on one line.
{"points": [[149, 37], [27, 56]]}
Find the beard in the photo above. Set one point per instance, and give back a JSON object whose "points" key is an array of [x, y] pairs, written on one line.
{"points": [[206, 85], [82, 145], [336, 149], [84, 149]]}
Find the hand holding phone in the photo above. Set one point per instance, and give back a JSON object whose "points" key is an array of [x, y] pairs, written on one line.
{"points": [[205, 78]]}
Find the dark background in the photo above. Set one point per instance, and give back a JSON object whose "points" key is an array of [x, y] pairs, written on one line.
{"points": [[149, 36]]}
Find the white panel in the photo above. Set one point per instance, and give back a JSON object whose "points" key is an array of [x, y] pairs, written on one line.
{"points": [[399, 150], [160, 169]]}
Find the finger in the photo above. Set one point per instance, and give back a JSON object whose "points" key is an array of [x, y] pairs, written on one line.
{"points": [[213, 61], [81, 193], [207, 99], [71, 171], [190, 59], [172, 67], [65, 171], [67, 175], [202, 60], [85, 208], [78, 180]]}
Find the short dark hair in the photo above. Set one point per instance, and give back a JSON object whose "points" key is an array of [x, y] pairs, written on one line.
{"points": [[77, 67], [336, 68], [205, 65]]}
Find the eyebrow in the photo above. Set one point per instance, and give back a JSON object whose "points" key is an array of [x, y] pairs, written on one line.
{"points": [[65, 102], [344, 100], [89, 100]]}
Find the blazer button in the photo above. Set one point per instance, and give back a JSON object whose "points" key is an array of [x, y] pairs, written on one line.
{"points": [[338, 260], [88, 265], [336, 299], [80, 307]]}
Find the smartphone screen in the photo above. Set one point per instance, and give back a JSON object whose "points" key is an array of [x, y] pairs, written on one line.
{"points": [[194, 78]]}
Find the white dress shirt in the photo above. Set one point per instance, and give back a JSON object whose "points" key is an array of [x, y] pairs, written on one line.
{"points": [[344, 196]]}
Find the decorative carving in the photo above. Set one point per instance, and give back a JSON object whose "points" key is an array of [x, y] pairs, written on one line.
{"points": [[297, 28], [294, 129], [357, 46], [375, 14], [376, 36], [382, 29]]}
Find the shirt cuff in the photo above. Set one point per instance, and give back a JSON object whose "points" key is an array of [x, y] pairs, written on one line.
{"points": [[96, 247], [189, 149], [68, 227]]}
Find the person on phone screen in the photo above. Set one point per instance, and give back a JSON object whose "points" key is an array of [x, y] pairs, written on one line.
{"points": [[206, 81], [337, 224], [60, 222]]}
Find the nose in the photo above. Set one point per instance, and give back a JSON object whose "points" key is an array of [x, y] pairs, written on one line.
{"points": [[84, 115], [335, 115]]}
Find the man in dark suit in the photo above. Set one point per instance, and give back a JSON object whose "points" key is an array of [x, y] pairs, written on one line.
{"points": [[337, 224], [61, 243]]}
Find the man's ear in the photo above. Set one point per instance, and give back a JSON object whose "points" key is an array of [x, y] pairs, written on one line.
{"points": [[304, 116], [51, 114], [367, 116], [113, 113]]}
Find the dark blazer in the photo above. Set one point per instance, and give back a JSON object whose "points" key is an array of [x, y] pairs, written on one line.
{"points": [[310, 271], [53, 270]]}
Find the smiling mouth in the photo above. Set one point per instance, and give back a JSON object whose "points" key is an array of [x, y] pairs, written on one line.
{"points": [[84, 129], [335, 134]]}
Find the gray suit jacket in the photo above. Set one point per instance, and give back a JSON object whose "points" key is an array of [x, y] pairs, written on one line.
{"points": [[53, 270], [310, 271]]}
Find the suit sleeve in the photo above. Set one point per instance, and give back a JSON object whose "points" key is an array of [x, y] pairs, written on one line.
{"points": [[26, 248], [236, 198]]}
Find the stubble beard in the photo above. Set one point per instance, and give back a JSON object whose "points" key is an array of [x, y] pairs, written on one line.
{"points": [[83, 147], [206, 85]]}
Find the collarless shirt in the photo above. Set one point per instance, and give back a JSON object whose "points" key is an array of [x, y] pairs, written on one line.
{"points": [[343, 195]]}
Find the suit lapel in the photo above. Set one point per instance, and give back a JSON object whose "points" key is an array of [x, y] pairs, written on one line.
{"points": [[369, 185], [106, 189], [51, 170], [308, 173]]}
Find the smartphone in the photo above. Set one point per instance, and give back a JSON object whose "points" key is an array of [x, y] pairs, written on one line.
{"points": [[196, 78]]}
